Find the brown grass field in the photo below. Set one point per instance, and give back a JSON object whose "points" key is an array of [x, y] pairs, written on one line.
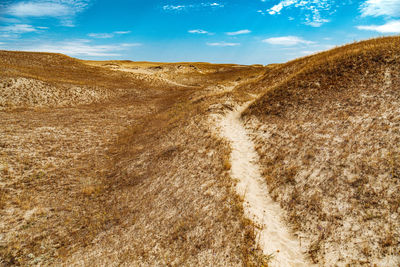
{"points": [[116, 162], [123, 170], [328, 135]]}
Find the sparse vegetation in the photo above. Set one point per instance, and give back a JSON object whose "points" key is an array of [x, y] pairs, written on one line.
{"points": [[116, 162], [327, 134], [133, 175]]}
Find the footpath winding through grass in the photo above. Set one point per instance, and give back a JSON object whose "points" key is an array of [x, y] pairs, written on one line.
{"points": [[274, 237]]}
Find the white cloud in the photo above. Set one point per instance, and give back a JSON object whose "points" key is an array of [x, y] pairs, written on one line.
{"points": [[172, 7], [107, 35], [238, 32], [198, 31], [212, 4], [9, 36], [18, 28], [287, 41], [390, 27], [261, 12], [65, 10], [122, 32], [223, 44], [316, 21], [9, 20], [101, 35], [377, 8], [314, 8], [131, 44], [309, 52], [183, 7], [315, 51], [39, 9], [276, 9], [81, 48]]}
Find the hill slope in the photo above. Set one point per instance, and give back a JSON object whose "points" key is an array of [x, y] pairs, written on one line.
{"points": [[122, 170], [43, 79], [123, 163], [328, 134]]}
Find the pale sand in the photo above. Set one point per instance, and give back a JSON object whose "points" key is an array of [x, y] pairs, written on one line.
{"points": [[273, 237]]}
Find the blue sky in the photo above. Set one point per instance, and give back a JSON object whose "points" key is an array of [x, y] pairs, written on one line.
{"points": [[218, 31]]}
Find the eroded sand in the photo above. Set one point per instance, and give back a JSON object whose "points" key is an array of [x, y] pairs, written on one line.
{"points": [[273, 237]]}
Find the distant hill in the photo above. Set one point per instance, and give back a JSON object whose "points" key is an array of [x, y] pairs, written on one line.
{"points": [[30, 79]]}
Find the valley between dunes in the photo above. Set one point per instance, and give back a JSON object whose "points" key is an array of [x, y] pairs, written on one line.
{"points": [[109, 163]]}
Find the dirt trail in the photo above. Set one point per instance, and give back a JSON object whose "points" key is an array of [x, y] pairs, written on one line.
{"points": [[273, 237]]}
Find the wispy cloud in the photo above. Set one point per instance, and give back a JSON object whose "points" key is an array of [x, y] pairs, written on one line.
{"points": [[309, 52], [172, 7], [223, 44], [318, 50], [107, 35], [390, 27], [130, 44], [180, 7], [65, 10], [377, 8], [315, 20], [101, 35], [15, 31], [122, 32], [18, 28], [239, 32], [261, 12], [9, 35], [276, 9], [39, 9], [287, 41], [211, 5], [314, 9], [198, 31], [81, 48], [9, 20]]}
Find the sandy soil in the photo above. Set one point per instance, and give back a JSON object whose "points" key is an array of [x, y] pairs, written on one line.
{"points": [[273, 235]]}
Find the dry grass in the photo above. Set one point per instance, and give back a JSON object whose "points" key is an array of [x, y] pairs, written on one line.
{"points": [[132, 176], [193, 74], [114, 163], [327, 132]]}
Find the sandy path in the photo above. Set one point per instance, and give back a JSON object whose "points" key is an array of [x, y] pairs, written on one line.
{"points": [[274, 237]]}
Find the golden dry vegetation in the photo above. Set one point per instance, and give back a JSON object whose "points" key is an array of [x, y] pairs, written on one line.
{"points": [[117, 162], [131, 176], [328, 134]]}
